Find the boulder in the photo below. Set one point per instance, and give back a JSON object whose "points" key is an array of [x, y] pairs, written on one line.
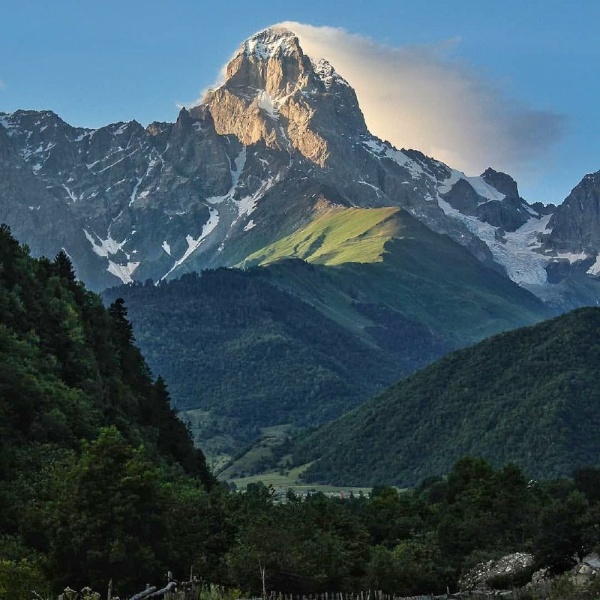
{"points": [[482, 574]]}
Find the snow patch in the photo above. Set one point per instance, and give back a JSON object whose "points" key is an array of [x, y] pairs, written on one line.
{"points": [[105, 247], [595, 268], [327, 74], [110, 187], [73, 197], [166, 247], [571, 256], [240, 163], [381, 150], [123, 272], [135, 189], [376, 147], [265, 103], [85, 134], [275, 41], [363, 182], [7, 123], [530, 210], [194, 243], [29, 151], [479, 184], [250, 225], [247, 205], [111, 164], [404, 161]]}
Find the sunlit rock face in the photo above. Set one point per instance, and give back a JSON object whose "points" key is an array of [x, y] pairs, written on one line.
{"points": [[273, 92]]}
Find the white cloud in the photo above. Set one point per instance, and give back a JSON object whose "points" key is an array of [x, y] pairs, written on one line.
{"points": [[218, 81], [420, 97]]}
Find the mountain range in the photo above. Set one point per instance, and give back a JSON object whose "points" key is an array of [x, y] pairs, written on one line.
{"points": [[260, 158], [397, 256]]}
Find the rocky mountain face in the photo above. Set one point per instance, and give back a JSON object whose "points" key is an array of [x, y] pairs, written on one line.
{"points": [[573, 230], [553, 251], [282, 139]]}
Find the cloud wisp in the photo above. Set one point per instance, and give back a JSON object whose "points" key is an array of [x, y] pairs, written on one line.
{"points": [[420, 97]]}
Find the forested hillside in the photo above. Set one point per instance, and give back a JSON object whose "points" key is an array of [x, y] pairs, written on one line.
{"points": [[94, 464], [530, 396], [250, 355]]}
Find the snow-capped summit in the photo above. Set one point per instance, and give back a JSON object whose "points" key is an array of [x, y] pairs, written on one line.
{"points": [[271, 42]]}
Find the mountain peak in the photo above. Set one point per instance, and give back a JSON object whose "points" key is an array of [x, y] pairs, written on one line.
{"points": [[274, 92], [270, 60], [504, 183], [271, 42]]}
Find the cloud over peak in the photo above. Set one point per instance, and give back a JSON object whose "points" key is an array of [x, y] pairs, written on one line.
{"points": [[420, 97]]}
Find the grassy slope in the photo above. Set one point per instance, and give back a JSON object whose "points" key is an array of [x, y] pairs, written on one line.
{"points": [[291, 480], [336, 236], [529, 396], [403, 265]]}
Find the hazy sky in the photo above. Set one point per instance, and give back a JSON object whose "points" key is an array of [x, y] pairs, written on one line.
{"points": [[513, 85]]}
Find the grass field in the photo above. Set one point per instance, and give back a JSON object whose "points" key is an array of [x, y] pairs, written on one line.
{"points": [[290, 480], [260, 453], [282, 479]]}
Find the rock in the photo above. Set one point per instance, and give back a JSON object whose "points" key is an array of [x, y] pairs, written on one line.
{"points": [[592, 560], [480, 575], [69, 594], [539, 576], [586, 570], [504, 183]]}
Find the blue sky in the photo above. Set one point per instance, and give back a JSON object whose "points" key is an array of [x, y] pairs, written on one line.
{"points": [[98, 62]]}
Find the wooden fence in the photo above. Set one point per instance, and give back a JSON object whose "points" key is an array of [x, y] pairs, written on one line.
{"points": [[197, 590]]}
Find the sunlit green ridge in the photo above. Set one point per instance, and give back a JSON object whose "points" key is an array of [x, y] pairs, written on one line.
{"points": [[337, 235]]}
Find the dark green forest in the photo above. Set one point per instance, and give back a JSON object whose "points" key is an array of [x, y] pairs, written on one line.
{"points": [[252, 355], [530, 396], [99, 481]]}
